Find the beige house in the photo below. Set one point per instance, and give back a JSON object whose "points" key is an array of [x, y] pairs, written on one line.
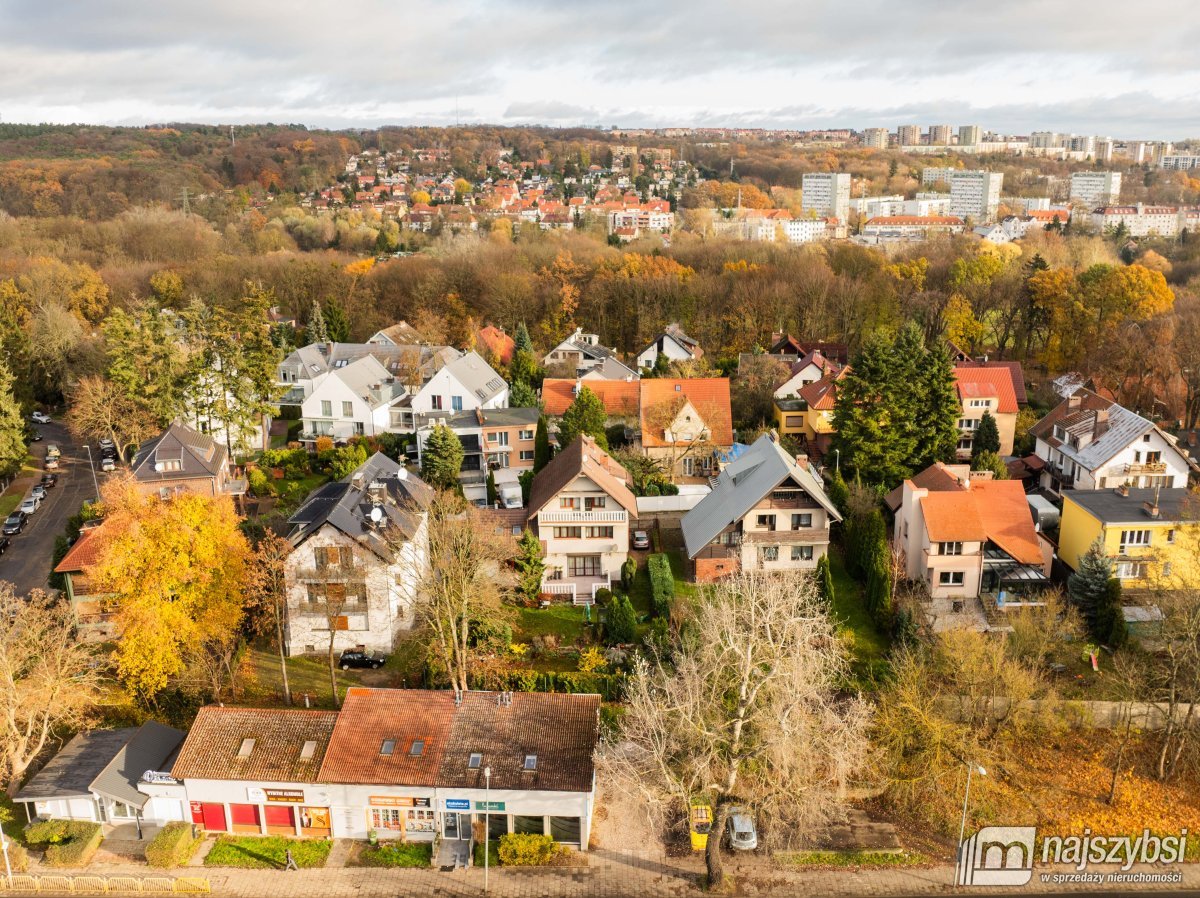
{"points": [[579, 507], [686, 424], [181, 459], [768, 511], [991, 389]]}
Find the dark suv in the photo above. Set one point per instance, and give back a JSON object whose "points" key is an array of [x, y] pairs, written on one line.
{"points": [[14, 523], [351, 658]]}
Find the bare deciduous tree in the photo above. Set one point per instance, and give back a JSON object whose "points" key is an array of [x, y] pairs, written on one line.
{"points": [[266, 595], [48, 678], [747, 711]]}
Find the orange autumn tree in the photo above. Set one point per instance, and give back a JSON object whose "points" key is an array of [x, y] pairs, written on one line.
{"points": [[175, 571]]}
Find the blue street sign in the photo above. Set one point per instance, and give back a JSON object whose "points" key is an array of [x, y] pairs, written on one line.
{"points": [[458, 804]]}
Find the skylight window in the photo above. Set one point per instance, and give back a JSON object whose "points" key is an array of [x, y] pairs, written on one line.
{"points": [[388, 747], [475, 761], [309, 749], [531, 762], [418, 748], [247, 747]]}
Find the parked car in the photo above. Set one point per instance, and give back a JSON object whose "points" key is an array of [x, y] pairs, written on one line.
{"points": [[742, 834], [106, 443], [38, 492], [5, 542], [699, 823], [108, 463], [48, 480], [14, 523], [641, 539], [51, 463], [30, 505], [351, 658], [35, 435], [52, 451], [40, 418]]}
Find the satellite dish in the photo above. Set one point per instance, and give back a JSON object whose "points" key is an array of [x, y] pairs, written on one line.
{"points": [[376, 514]]}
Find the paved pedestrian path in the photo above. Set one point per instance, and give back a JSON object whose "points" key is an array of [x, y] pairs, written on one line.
{"points": [[608, 874]]}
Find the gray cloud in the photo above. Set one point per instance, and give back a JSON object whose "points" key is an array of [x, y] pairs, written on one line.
{"points": [[1016, 66]]}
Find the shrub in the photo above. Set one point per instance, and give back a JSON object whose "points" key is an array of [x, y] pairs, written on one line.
{"points": [[591, 660], [18, 857], [662, 584], [69, 843], [527, 850], [397, 854], [603, 596], [620, 623], [172, 847], [324, 444], [259, 482]]}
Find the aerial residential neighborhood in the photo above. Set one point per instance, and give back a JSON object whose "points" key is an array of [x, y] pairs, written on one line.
{"points": [[742, 450]]}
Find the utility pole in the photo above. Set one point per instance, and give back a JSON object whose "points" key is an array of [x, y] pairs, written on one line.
{"points": [[187, 206], [232, 139]]}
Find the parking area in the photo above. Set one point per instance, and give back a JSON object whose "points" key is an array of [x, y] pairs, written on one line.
{"points": [[26, 562]]}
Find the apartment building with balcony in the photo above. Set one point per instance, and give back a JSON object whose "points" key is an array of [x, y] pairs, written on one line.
{"points": [[991, 389], [1089, 442], [768, 511], [580, 507], [499, 440], [1151, 535]]}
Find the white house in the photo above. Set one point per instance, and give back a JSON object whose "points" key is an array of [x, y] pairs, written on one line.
{"points": [[462, 385], [1092, 443], [353, 400], [360, 553], [583, 351], [674, 344], [807, 370]]}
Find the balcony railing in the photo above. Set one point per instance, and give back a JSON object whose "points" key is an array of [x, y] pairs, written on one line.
{"points": [[570, 516], [1154, 467]]}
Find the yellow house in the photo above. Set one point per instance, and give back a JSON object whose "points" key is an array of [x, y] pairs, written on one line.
{"points": [[1151, 535], [809, 415]]}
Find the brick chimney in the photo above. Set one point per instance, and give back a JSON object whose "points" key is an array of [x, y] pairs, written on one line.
{"points": [[1100, 425], [1075, 400]]}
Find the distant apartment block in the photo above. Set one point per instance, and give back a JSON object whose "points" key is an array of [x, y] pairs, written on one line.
{"points": [[975, 194], [894, 228], [969, 135], [932, 177], [826, 194], [1180, 163], [1096, 187], [939, 135], [909, 135], [1146, 221], [876, 138], [1044, 140]]}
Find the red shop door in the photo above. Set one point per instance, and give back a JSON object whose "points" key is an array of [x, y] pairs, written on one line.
{"points": [[212, 816], [245, 816], [280, 816]]}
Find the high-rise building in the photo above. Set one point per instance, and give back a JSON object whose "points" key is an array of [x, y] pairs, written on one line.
{"points": [[826, 194], [1104, 149], [975, 194], [1082, 143], [969, 135], [939, 135], [1096, 188], [1044, 140], [931, 177], [877, 138], [910, 135]]}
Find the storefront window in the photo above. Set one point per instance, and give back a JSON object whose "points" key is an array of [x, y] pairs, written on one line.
{"points": [[386, 818], [565, 829], [534, 825]]}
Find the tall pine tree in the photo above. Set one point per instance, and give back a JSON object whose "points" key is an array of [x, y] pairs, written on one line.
{"points": [[987, 437], [871, 416], [584, 415], [521, 340], [1088, 584], [442, 458], [336, 323], [541, 445], [939, 408], [316, 332]]}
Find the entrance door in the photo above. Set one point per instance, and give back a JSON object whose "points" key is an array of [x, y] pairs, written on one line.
{"points": [[450, 826]]}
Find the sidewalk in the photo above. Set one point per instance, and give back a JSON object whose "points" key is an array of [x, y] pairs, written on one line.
{"points": [[610, 873]]}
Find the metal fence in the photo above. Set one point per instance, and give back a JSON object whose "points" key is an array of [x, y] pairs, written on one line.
{"points": [[85, 884]]}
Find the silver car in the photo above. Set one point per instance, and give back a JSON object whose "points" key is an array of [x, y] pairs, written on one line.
{"points": [[742, 834]]}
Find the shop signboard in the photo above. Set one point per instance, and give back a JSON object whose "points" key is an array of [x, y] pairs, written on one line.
{"points": [[394, 801], [458, 804], [294, 796], [489, 806]]}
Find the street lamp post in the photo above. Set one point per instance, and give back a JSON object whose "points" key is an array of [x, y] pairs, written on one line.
{"points": [[838, 458], [487, 823], [962, 829], [95, 482], [7, 865]]}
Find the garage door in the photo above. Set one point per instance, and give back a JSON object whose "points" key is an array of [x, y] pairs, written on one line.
{"points": [[245, 817]]}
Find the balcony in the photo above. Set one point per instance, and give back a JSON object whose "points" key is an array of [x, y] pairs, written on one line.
{"points": [[797, 501], [805, 536], [1154, 467], [571, 516]]}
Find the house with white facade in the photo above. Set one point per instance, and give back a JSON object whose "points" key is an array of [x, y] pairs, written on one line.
{"points": [[768, 511], [350, 401], [579, 507], [1089, 442], [674, 344], [360, 551], [804, 371], [581, 351], [499, 441], [461, 385]]}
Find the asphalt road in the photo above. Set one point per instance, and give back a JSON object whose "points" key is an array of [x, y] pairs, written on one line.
{"points": [[26, 562]]}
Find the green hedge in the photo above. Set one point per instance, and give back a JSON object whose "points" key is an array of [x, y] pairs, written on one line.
{"points": [[69, 843], [527, 850], [172, 847], [662, 584], [610, 687]]}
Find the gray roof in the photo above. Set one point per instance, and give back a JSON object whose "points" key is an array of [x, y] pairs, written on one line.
{"points": [[153, 747], [1110, 507], [477, 376], [741, 486], [368, 379], [318, 358], [1123, 427], [199, 454], [70, 773], [347, 505], [492, 417], [611, 369]]}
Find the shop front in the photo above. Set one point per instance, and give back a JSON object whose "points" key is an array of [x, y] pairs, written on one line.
{"points": [[409, 818], [566, 816], [229, 806]]}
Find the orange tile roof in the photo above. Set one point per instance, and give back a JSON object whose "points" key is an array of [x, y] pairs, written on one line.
{"points": [[993, 510], [216, 737], [500, 343], [931, 220], [708, 395], [821, 395], [988, 382], [620, 397], [952, 517], [84, 553]]}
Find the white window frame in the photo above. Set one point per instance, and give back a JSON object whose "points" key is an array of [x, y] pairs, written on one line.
{"points": [[948, 578]]}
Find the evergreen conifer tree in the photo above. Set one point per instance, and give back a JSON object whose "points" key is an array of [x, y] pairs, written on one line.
{"points": [[12, 426], [530, 566], [1088, 584], [442, 458], [521, 340], [316, 332], [541, 445], [987, 437], [584, 415]]}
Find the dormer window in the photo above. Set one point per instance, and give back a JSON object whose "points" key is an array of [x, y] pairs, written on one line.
{"points": [[531, 762], [475, 761], [245, 749]]}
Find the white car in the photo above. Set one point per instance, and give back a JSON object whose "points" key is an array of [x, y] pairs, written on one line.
{"points": [[40, 418], [108, 463], [30, 505], [742, 834]]}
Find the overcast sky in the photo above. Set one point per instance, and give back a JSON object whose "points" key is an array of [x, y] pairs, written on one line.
{"points": [[1103, 67]]}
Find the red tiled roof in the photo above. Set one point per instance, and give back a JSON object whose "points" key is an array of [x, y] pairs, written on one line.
{"points": [[930, 220], [993, 510], [708, 395], [1015, 371], [499, 343], [952, 517], [988, 382], [620, 397], [371, 716], [821, 395], [84, 553], [217, 735], [937, 478]]}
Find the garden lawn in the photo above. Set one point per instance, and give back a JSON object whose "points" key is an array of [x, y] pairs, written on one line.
{"points": [[9, 501], [266, 852], [308, 675], [567, 622], [867, 645], [397, 854], [852, 859]]}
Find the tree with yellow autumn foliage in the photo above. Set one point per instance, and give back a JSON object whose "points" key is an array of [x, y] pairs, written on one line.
{"points": [[175, 571]]}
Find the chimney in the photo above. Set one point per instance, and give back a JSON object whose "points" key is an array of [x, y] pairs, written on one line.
{"points": [[1151, 508], [1123, 490], [802, 461], [1074, 400], [1101, 423], [356, 480]]}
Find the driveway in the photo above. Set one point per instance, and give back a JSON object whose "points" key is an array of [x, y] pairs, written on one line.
{"points": [[26, 563]]}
